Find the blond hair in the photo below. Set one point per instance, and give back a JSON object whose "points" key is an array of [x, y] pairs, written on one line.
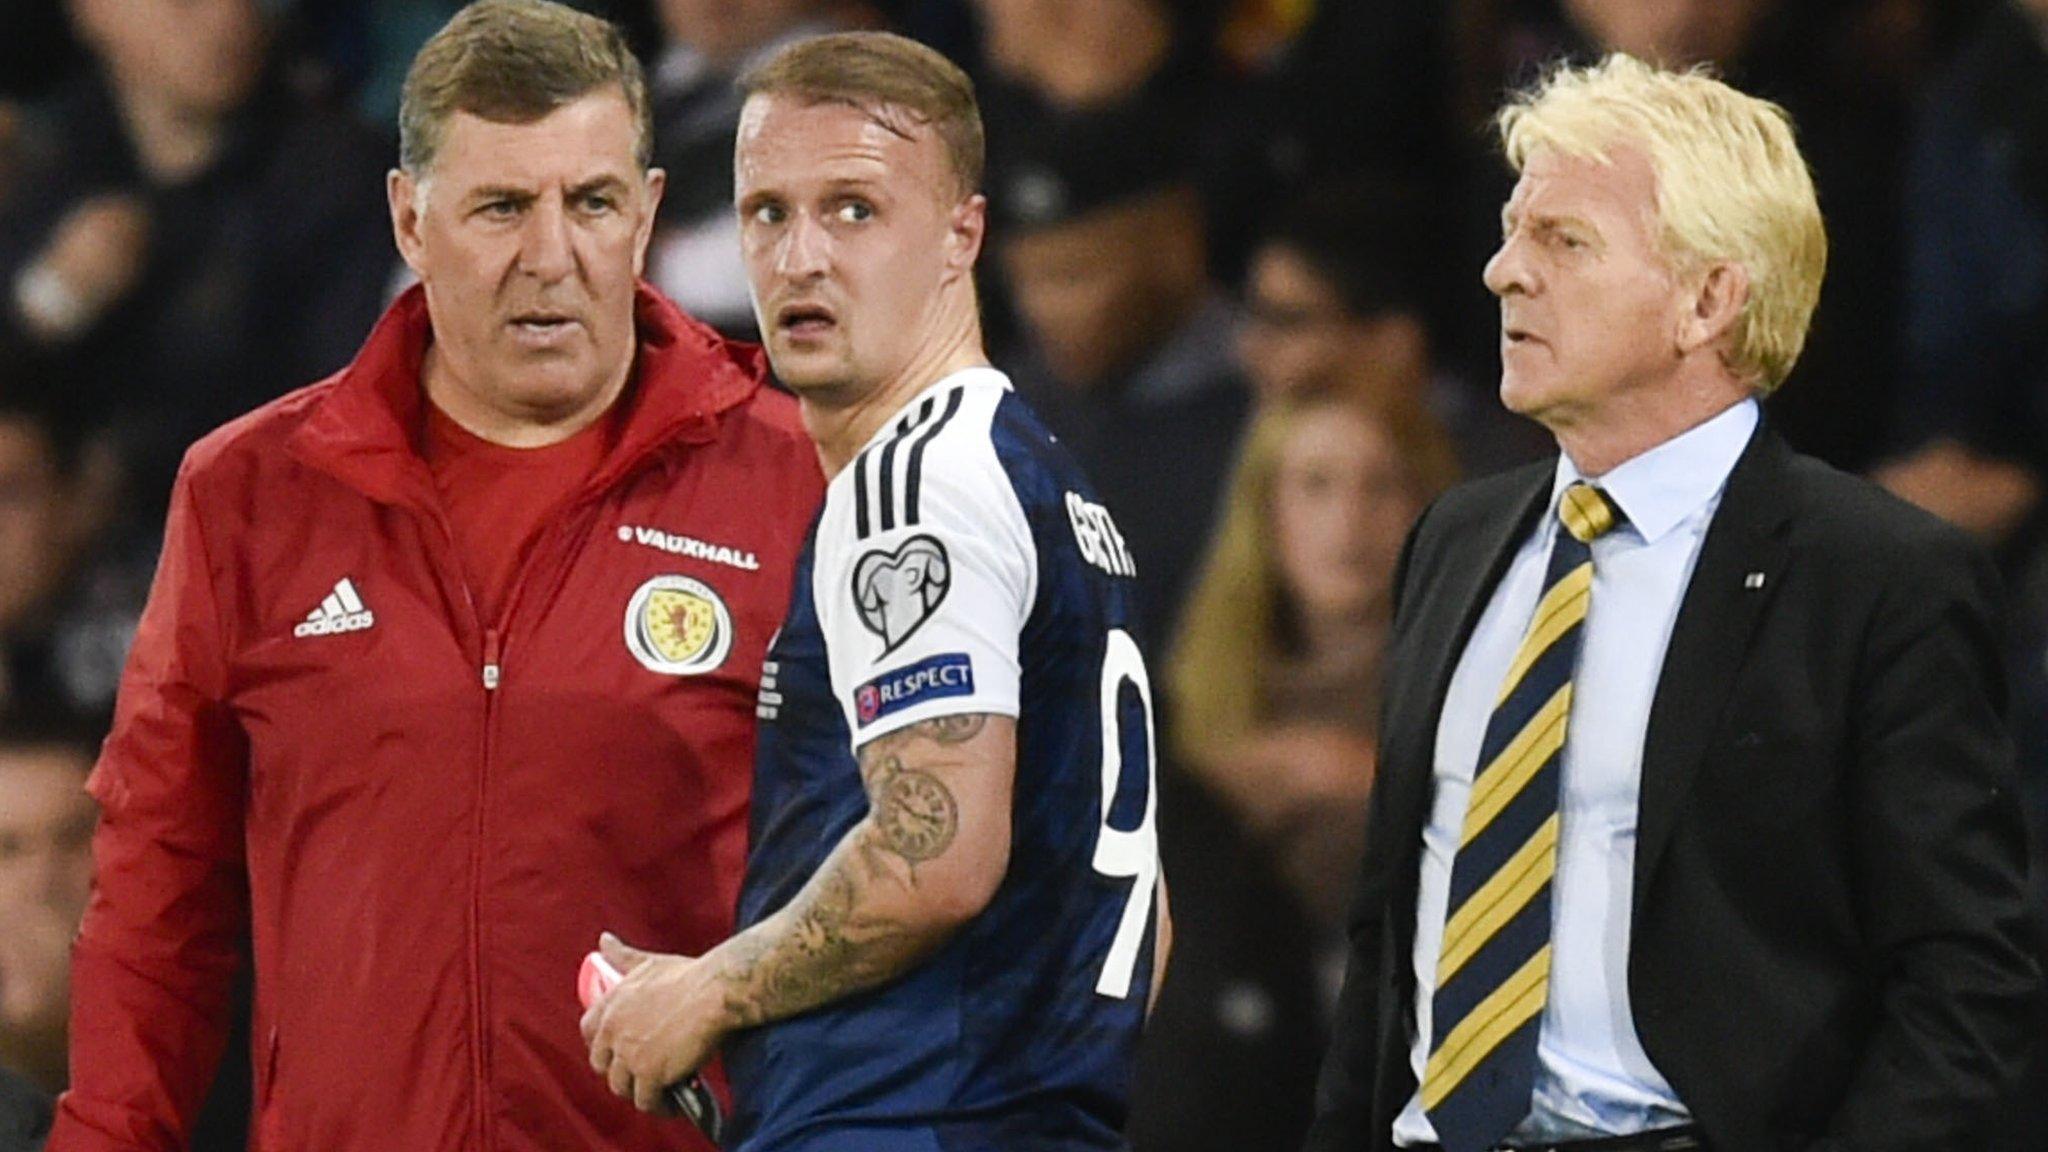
{"points": [[880, 72], [513, 62], [1232, 627], [1731, 185]]}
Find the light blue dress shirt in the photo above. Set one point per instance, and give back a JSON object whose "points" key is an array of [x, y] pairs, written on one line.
{"points": [[1594, 1079]]}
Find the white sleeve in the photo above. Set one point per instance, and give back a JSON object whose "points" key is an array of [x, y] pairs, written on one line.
{"points": [[923, 619]]}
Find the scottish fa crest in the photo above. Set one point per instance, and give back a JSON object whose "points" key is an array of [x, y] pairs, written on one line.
{"points": [[896, 592], [678, 626]]}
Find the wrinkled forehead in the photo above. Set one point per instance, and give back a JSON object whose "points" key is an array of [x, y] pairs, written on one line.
{"points": [[1617, 181], [591, 138]]}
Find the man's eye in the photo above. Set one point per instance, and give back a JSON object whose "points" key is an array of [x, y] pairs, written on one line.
{"points": [[855, 211], [768, 214], [498, 209], [598, 203]]}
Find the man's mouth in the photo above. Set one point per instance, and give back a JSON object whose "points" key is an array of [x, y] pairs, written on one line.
{"points": [[541, 322], [805, 319]]}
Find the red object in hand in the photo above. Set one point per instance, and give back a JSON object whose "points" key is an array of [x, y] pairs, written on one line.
{"points": [[691, 1097]]}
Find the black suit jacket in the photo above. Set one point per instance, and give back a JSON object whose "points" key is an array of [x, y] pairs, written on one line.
{"points": [[1830, 944]]}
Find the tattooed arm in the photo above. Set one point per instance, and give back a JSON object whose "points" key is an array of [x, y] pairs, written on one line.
{"points": [[926, 859]]}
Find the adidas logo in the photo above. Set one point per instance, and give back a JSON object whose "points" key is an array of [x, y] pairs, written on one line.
{"points": [[342, 611]]}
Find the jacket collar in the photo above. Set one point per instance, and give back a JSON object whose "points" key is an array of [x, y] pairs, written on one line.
{"points": [[363, 430]]}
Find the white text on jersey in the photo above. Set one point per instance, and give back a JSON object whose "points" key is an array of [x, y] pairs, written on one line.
{"points": [[1101, 544], [689, 546]]}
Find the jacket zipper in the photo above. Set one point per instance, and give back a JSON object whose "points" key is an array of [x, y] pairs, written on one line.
{"points": [[547, 546], [493, 653], [448, 566], [493, 665]]}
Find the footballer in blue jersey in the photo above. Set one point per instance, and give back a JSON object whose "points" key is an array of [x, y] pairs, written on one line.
{"points": [[953, 919]]}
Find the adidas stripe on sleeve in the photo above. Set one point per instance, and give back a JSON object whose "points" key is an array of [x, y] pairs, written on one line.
{"points": [[926, 568]]}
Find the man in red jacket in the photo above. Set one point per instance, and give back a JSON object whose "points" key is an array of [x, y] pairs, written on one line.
{"points": [[451, 659]]}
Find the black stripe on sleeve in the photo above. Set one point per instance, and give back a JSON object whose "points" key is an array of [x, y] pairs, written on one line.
{"points": [[888, 461], [915, 479]]}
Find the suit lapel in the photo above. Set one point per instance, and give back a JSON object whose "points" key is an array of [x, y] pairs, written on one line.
{"points": [[1740, 568], [1471, 569]]}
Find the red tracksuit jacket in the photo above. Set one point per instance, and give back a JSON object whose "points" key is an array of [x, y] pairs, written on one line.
{"points": [[422, 821]]}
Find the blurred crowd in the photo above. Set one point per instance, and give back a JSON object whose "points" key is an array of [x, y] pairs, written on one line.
{"points": [[1234, 263]]}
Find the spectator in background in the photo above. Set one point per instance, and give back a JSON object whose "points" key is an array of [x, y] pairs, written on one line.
{"points": [[190, 234], [1275, 670], [1272, 686], [69, 595], [46, 823], [695, 257], [1334, 301], [1975, 411], [1128, 356], [1047, 63]]}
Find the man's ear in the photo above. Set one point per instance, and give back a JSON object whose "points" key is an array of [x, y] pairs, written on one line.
{"points": [[657, 183], [965, 233], [1716, 303], [404, 194]]}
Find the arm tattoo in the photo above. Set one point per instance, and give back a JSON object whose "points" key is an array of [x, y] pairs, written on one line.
{"points": [[914, 815], [833, 943]]}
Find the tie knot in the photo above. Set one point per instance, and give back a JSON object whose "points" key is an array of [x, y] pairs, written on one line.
{"points": [[1586, 511]]}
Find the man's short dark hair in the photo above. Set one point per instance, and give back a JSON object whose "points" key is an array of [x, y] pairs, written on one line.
{"points": [[878, 71], [513, 62]]}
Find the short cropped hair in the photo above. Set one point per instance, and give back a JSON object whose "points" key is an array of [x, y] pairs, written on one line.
{"points": [[1731, 185], [513, 62], [876, 72]]}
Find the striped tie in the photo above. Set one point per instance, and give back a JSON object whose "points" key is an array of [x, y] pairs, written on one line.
{"points": [[1493, 971]]}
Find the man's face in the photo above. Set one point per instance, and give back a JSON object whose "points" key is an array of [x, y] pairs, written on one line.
{"points": [[1295, 332], [1100, 290], [529, 239], [1589, 309], [46, 822], [201, 56], [851, 228], [32, 549]]}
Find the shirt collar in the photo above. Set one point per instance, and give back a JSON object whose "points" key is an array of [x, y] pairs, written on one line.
{"points": [[1660, 488]]}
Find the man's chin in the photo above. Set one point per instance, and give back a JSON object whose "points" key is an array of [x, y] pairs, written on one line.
{"points": [[809, 373], [1520, 395]]}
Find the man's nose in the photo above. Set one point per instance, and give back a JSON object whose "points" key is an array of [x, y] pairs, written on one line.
{"points": [[806, 248], [546, 249], [1507, 271]]}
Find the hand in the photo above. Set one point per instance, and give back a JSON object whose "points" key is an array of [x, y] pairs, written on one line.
{"points": [[660, 1024], [95, 255]]}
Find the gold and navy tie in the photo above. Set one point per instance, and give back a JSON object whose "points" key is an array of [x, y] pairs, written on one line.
{"points": [[1494, 970]]}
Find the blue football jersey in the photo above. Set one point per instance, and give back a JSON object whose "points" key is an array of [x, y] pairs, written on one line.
{"points": [[961, 564]]}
